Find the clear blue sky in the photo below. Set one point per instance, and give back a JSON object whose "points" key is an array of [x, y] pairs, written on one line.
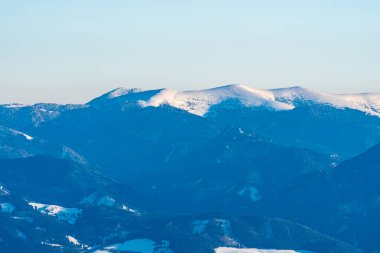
{"points": [[72, 50]]}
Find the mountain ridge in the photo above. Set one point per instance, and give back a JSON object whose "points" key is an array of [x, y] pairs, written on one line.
{"points": [[199, 102]]}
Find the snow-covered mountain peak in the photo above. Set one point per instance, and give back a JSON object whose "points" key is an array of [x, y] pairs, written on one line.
{"points": [[14, 105], [199, 102], [114, 94], [296, 93], [121, 92], [365, 102]]}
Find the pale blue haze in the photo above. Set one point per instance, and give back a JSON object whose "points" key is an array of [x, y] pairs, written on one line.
{"points": [[71, 50]]}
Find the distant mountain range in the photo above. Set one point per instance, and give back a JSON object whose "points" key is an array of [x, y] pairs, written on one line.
{"points": [[200, 102], [291, 116], [192, 171]]}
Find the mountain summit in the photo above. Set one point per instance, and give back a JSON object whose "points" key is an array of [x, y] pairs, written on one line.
{"points": [[199, 102]]}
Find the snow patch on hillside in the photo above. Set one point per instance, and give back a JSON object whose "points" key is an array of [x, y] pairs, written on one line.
{"points": [[95, 199], [4, 191], [131, 210], [199, 226], [52, 244], [28, 137], [72, 239], [225, 225], [70, 215], [137, 245], [15, 132], [6, 207]]}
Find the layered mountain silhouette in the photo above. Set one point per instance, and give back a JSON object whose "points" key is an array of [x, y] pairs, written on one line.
{"points": [[53, 205], [231, 172], [343, 201], [192, 171]]}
